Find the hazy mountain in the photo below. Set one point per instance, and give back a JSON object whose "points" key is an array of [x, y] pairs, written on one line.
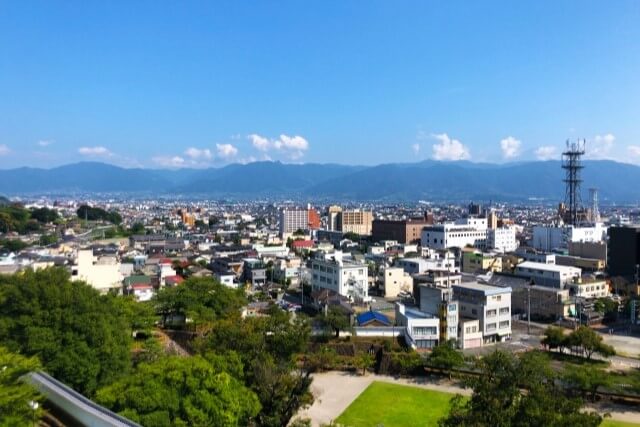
{"points": [[430, 180]]}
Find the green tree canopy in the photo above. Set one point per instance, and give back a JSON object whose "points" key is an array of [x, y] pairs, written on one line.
{"points": [[76, 333], [267, 347], [175, 391], [19, 402], [336, 320], [446, 356], [590, 342], [498, 398], [44, 215], [200, 299], [92, 213]]}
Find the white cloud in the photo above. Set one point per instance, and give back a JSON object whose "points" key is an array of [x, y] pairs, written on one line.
{"points": [[449, 149], [226, 150], [259, 142], [634, 150], [546, 152], [97, 151], [170, 161], [45, 142], [510, 147], [4, 150], [600, 146], [293, 146], [197, 153], [415, 148]]}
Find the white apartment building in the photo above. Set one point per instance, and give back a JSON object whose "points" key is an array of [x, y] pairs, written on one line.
{"points": [[546, 238], [502, 239], [469, 232], [490, 305], [552, 275], [101, 273], [335, 272], [421, 330], [439, 301]]}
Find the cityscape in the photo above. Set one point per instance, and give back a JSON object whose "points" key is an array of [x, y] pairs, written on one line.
{"points": [[341, 278]]}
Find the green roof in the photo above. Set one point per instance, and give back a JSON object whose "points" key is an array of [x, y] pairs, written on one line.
{"points": [[128, 281]]}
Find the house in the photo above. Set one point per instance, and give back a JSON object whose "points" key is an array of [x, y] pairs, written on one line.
{"points": [[421, 330], [102, 273], [372, 318], [174, 280]]}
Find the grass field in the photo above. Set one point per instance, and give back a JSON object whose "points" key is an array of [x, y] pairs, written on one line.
{"points": [[394, 405], [613, 423]]}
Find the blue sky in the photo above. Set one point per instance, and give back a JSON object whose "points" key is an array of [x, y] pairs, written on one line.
{"points": [[194, 84]]}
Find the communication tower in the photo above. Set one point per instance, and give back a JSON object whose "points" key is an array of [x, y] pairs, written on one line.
{"points": [[595, 212], [572, 164]]}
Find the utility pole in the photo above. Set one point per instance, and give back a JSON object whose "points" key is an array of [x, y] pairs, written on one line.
{"points": [[528, 310]]}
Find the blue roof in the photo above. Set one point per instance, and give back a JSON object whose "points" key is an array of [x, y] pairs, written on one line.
{"points": [[370, 316]]}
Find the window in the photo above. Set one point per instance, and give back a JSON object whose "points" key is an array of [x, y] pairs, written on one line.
{"points": [[452, 307], [504, 310], [491, 313], [491, 327], [474, 311], [424, 330], [504, 325]]}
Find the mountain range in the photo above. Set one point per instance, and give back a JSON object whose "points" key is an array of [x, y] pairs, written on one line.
{"points": [[427, 180]]}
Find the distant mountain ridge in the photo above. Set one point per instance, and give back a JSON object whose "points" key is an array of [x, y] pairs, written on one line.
{"points": [[427, 180]]}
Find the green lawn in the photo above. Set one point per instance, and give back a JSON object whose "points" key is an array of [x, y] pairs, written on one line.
{"points": [[612, 423], [390, 405]]}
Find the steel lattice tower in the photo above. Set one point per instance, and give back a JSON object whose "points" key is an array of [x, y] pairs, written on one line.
{"points": [[572, 164], [595, 211]]}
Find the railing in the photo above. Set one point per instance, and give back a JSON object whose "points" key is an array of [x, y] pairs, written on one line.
{"points": [[75, 405]]}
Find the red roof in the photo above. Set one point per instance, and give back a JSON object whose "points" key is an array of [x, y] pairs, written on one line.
{"points": [[173, 279], [141, 286], [302, 244], [165, 261]]}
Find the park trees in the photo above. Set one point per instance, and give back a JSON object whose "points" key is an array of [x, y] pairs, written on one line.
{"points": [[512, 391], [200, 299], [336, 320], [446, 357], [19, 402], [585, 338], [175, 391], [586, 379], [267, 347], [75, 332], [590, 342]]}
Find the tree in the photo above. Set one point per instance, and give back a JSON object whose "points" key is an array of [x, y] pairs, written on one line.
{"points": [[98, 214], [337, 320], [44, 215], [445, 356], [267, 347], [177, 391], [13, 245], [76, 333], [363, 361], [590, 342], [19, 401], [554, 337], [498, 398], [200, 299], [586, 379]]}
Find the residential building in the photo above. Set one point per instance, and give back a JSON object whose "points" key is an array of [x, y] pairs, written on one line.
{"points": [[490, 305], [439, 301], [102, 273], [469, 232], [547, 238], [470, 333], [396, 280], [254, 272], [555, 276], [474, 261], [336, 272], [349, 221], [292, 220], [544, 302], [421, 330]]}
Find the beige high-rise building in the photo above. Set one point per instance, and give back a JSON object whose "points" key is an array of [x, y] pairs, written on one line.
{"points": [[492, 220], [333, 218], [357, 221]]}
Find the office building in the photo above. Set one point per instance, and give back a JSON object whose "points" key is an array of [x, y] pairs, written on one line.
{"points": [[624, 252], [403, 231], [552, 275], [337, 272]]}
